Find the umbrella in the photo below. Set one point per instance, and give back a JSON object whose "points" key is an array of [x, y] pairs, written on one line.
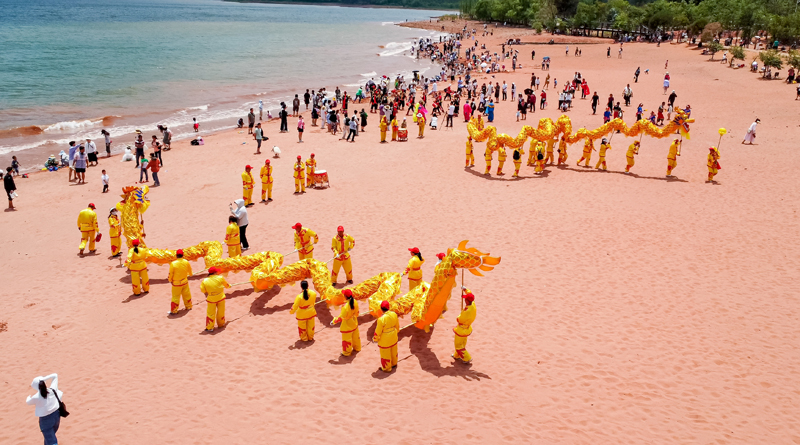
{"points": [[528, 91]]}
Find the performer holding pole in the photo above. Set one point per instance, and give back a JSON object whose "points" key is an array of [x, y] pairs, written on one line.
{"points": [[633, 150], [501, 158], [87, 224], [604, 145], [351, 339], [247, 186], [311, 167], [386, 336], [232, 237], [464, 328], [562, 150], [341, 245], [299, 177], [213, 287], [674, 152], [487, 155], [713, 163], [179, 272], [114, 232], [302, 241], [517, 158], [266, 182], [588, 148], [470, 154], [413, 270], [306, 313], [138, 268]]}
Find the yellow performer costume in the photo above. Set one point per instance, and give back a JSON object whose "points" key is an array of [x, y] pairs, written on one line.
{"points": [[602, 161], [532, 153], [562, 151], [311, 167], [266, 182], [114, 233], [501, 157], [383, 126], [549, 158], [674, 152], [487, 155], [386, 336], [517, 157], [394, 129], [470, 155], [138, 267], [464, 328], [87, 224], [179, 272], [421, 122], [633, 150], [306, 313], [214, 287], [588, 148], [232, 238], [247, 186], [299, 177], [713, 163], [351, 339], [539, 158], [302, 241], [414, 269], [341, 246]]}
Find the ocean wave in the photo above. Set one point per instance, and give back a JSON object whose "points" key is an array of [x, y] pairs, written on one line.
{"points": [[30, 130], [369, 74], [198, 108], [72, 125], [395, 48]]}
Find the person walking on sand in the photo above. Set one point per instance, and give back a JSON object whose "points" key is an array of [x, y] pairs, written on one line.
{"points": [[232, 237], [750, 136], [666, 82], [213, 287], [240, 212], [633, 150], [284, 115], [107, 137], [386, 337], [306, 312], [464, 328], [179, 272], [47, 404], [156, 146], [304, 240], [595, 100], [247, 186], [301, 126], [251, 121], [348, 317], [10, 187], [138, 268], [266, 182], [154, 167], [258, 135], [672, 157]]}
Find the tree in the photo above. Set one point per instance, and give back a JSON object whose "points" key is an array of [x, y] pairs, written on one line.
{"points": [[713, 47], [771, 59], [737, 52], [794, 59]]}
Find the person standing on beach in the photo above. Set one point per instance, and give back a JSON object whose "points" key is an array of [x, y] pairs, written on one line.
{"points": [[604, 145], [213, 287], [348, 317], [588, 148], [383, 125], [284, 115], [341, 245], [251, 121], [386, 337], [595, 100], [306, 99], [87, 224], [104, 179], [299, 177], [73, 149], [394, 128], [91, 152], [303, 241], [750, 136], [81, 162], [464, 328], [311, 167], [295, 106], [139, 145], [114, 232], [247, 186], [138, 268], [241, 218], [167, 138], [301, 125], [156, 149], [232, 239], [672, 157], [258, 135], [306, 312], [179, 272], [47, 402], [10, 187], [266, 182], [107, 137], [633, 150], [195, 125], [154, 167], [413, 270]]}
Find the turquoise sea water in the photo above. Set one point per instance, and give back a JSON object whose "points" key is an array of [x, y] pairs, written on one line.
{"points": [[72, 67]]}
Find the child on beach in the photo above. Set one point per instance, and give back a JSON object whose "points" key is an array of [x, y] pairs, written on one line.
{"points": [[143, 170], [15, 165], [196, 125], [104, 178]]}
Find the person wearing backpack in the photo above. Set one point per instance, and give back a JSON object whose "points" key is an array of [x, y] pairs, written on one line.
{"points": [[49, 408], [517, 156]]}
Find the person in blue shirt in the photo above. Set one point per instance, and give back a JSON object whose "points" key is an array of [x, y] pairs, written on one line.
{"points": [[490, 111], [607, 115], [639, 112]]}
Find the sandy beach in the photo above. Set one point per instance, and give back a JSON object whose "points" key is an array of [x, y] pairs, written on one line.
{"points": [[627, 308]]}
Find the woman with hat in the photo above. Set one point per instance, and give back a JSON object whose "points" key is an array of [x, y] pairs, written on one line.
{"points": [[213, 287], [47, 402], [351, 339], [138, 268], [114, 231], [179, 272], [306, 313], [386, 336], [464, 328], [413, 270]]}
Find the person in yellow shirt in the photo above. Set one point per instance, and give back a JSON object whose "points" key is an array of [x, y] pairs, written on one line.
{"points": [[501, 158], [114, 232], [540, 148], [672, 157], [713, 163], [532, 153], [550, 143], [383, 126], [232, 238], [633, 150], [588, 148], [470, 154], [302, 241], [341, 245], [421, 123], [487, 155], [311, 167], [386, 331], [604, 145], [517, 158], [351, 339], [247, 186], [299, 176], [138, 268], [562, 150], [306, 313], [464, 327], [213, 287], [179, 272], [394, 129], [266, 182], [413, 270], [87, 224]]}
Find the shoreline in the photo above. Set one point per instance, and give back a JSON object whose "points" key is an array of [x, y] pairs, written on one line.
{"points": [[343, 5]]}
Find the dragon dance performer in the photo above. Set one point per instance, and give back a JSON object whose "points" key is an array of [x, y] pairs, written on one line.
{"points": [[232, 237], [540, 148], [138, 268], [306, 313], [470, 154], [311, 167], [532, 153], [550, 143], [487, 155], [341, 245], [517, 158], [299, 177], [394, 129], [604, 146], [413, 270], [633, 150], [179, 272], [114, 232], [713, 163], [87, 224], [588, 148], [464, 328], [386, 336], [383, 126], [247, 186], [672, 157], [302, 241], [351, 339], [266, 182], [213, 287], [562, 150], [501, 157]]}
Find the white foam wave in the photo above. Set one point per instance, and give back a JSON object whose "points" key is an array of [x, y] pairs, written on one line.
{"points": [[394, 48], [387, 23], [369, 74], [72, 125], [198, 108]]}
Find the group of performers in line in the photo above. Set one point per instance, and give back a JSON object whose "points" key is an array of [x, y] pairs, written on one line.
{"points": [[400, 130], [542, 154], [303, 177]]}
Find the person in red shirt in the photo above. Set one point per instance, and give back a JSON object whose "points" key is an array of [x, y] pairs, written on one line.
{"points": [[154, 166]]}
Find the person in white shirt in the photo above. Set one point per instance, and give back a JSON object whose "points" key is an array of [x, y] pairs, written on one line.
{"points": [[450, 112], [46, 402], [91, 151], [104, 177]]}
